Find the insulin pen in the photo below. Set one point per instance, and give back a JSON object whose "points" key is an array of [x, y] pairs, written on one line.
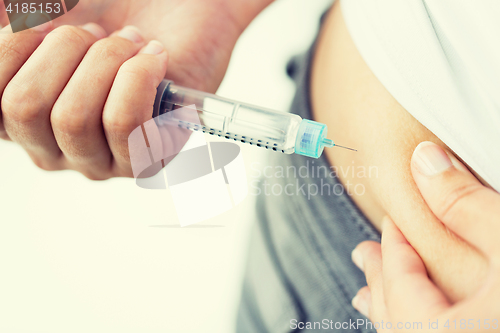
{"points": [[278, 131]]}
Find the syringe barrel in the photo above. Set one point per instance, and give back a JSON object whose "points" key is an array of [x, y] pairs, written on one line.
{"points": [[231, 119]]}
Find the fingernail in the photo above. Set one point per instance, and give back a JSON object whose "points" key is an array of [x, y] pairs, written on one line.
{"points": [[430, 159], [154, 47], [131, 33], [361, 304], [357, 258], [95, 30]]}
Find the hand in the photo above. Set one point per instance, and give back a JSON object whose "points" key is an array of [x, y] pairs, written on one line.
{"points": [[82, 127], [399, 289], [199, 34], [77, 111]]}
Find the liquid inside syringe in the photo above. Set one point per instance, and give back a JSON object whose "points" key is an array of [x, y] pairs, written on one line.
{"points": [[278, 131]]}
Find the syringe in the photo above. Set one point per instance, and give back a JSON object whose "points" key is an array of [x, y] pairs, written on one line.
{"points": [[278, 131]]}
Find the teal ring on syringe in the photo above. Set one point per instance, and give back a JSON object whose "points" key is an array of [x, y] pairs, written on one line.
{"points": [[278, 131]]}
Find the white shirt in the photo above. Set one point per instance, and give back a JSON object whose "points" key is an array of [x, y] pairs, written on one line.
{"points": [[440, 59]]}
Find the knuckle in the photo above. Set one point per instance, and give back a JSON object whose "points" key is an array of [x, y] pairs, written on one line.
{"points": [[373, 271], [118, 130], [4, 136], [46, 165], [370, 252], [126, 173], [11, 50], [119, 127], [95, 177], [70, 35], [68, 123], [138, 72], [19, 105], [109, 49], [369, 248], [452, 200]]}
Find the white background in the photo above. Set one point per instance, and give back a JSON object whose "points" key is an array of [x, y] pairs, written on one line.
{"points": [[82, 256]]}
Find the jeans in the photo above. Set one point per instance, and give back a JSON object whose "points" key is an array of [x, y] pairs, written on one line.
{"points": [[299, 276]]}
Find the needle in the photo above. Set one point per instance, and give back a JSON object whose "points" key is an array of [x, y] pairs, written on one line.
{"points": [[345, 147]]}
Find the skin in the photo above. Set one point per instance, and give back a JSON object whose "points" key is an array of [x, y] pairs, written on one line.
{"points": [[64, 126], [199, 34], [362, 114], [78, 111], [393, 268]]}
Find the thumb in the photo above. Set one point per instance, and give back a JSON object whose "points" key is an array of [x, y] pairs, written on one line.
{"points": [[456, 197]]}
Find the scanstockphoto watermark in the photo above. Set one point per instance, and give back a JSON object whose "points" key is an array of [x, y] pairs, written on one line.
{"points": [[310, 180], [365, 324], [354, 325]]}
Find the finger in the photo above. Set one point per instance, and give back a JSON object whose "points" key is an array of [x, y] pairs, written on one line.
{"points": [[130, 102], [77, 115], [15, 49], [407, 288], [483, 304], [29, 97], [363, 302], [456, 197], [368, 257]]}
